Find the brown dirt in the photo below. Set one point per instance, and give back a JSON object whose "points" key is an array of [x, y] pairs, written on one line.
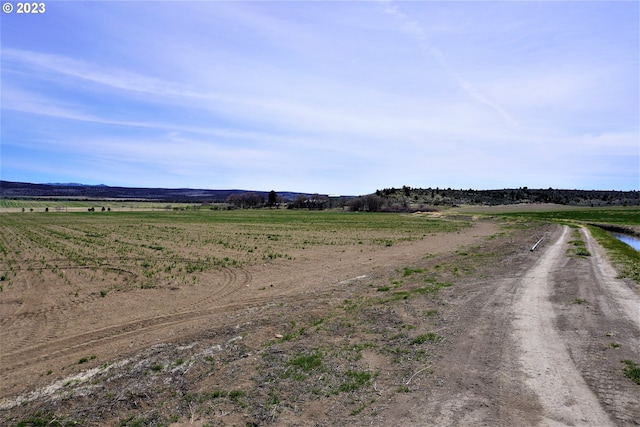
{"points": [[520, 338]]}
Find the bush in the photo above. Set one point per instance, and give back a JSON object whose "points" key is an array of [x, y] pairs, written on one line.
{"points": [[632, 371], [368, 203]]}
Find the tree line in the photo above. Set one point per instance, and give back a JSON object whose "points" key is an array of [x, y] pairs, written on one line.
{"points": [[407, 199], [448, 197]]}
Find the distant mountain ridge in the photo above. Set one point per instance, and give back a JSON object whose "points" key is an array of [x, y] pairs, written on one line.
{"points": [[11, 189], [394, 198], [69, 184]]}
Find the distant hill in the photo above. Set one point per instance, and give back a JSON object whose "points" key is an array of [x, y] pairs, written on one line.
{"points": [[10, 190], [389, 199], [67, 184], [400, 197]]}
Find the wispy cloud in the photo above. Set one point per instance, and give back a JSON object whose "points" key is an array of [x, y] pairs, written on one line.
{"points": [[336, 97], [85, 71], [363, 113], [417, 31]]}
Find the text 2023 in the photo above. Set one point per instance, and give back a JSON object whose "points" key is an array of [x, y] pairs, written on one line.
{"points": [[31, 8]]}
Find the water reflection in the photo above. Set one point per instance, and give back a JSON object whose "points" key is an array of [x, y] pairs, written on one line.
{"points": [[632, 241]]}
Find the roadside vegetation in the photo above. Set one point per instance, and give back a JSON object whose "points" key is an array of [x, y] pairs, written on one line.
{"points": [[577, 246], [601, 215], [622, 255], [632, 371]]}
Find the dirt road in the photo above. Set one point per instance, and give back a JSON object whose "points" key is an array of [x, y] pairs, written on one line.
{"points": [[550, 373], [542, 346]]}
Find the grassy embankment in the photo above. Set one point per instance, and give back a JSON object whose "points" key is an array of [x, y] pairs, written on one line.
{"points": [[622, 255]]}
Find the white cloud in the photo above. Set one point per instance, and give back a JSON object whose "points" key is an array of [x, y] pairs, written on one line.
{"points": [[348, 95]]}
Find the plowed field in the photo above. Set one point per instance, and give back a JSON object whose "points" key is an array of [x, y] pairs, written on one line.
{"points": [[309, 318]]}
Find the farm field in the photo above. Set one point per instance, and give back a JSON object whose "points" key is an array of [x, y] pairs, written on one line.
{"points": [[550, 211], [616, 215], [280, 317], [71, 280], [42, 205]]}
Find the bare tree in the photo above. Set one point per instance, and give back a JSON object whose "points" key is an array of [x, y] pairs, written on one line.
{"points": [[246, 200]]}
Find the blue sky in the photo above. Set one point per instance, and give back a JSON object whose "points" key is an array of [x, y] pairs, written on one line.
{"points": [[328, 96]]}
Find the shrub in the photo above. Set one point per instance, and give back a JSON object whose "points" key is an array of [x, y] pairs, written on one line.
{"points": [[307, 362], [632, 371]]}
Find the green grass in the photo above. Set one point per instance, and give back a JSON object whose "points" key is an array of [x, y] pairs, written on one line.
{"points": [[581, 252], [422, 338], [623, 255], [45, 419], [411, 271], [577, 246], [426, 289], [632, 371], [307, 362], [271, 226], [618, 215], [86, 359], [61, 205], [126, 251], [299, 219]]}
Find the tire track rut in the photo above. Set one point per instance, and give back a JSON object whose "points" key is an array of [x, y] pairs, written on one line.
{"points": [[69, 345], [56, 318], [550, 372]]}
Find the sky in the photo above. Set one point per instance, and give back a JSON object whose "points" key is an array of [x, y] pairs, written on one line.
{"points": [[333, 97]]}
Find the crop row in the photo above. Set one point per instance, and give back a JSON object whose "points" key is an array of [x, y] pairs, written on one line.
{"points": [[150, 249]]}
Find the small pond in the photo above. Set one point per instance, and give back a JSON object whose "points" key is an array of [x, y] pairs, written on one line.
{"points": [[632, 241]]}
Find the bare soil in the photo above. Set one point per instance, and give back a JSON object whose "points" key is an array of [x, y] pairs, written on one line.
{"points": [[465, 328]]}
